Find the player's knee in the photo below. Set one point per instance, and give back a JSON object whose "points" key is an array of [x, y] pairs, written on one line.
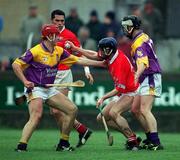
{"points": [[135, 111], [144, 111], [113, 114], [73, 110], [98, 118], [55, 112]]}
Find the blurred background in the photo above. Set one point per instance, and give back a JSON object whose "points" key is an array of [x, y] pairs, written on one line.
{"points": [[20, 23]]}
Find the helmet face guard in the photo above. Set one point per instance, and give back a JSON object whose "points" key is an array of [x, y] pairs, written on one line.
{"points": [[105, 52], [130, 23], [107, 47]]}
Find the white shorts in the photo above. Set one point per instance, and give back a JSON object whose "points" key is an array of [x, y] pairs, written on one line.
{"points": [[64, 76], [40, 92], [131, 94], [152, 85]]}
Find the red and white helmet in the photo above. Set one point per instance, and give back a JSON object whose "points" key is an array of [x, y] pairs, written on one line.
{"points": [[49, 30]]}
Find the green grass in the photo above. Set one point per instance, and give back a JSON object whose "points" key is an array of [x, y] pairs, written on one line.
{"points": [[41, 147]]}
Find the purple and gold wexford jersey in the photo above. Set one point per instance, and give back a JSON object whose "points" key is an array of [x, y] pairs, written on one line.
{"points": [[40, 66], [142, 51]]}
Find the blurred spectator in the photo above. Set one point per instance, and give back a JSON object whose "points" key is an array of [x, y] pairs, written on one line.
{"points": [[31, 27], [86, 41], [124, 44], [1, 23], [5, 64], [94, 26], [153, 15], [73, 22], [110, 24], [146, 25], [110, 33]]}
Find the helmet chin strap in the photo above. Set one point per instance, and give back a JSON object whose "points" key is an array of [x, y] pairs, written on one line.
{"points": [[130, 32], [51, 39]]}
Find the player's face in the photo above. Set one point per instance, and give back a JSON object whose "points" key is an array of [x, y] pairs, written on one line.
{"points": [[105, 52], [59, 21], [52, 38]]}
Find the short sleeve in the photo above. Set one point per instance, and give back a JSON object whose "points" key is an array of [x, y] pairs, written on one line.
{"points": [[141, 57], [25, 60], [68, 59]]}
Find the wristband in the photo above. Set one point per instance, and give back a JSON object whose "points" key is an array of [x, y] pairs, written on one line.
{"points": [[86, 70]]}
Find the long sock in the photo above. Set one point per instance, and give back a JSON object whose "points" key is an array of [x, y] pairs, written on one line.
{"points": [[154, 138], [64, 137], [132, 138], [80, 128], [148, 135]]}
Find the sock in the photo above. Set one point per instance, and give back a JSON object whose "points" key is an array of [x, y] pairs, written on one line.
{"points": [[147, 135], [132, 138], [64, 137], [80, 128], [153, 136]]}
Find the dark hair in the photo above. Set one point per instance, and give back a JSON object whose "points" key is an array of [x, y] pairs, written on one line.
{"points": [[93, 13], [111, 15], [57, 12]]}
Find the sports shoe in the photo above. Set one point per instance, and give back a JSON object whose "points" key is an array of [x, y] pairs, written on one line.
{"points": [[155, 147], [21, 147], [145, 144], [83, 138], [64, 146], [133, 145]]}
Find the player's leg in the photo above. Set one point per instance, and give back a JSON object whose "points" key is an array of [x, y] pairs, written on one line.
{"points": [[61, 102], [108, 119], [135, 109], [35, 113], [121, 106], [145, 109], [84, 132], [136, 112]]}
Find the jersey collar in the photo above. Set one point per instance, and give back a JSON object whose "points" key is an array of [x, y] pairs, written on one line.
{"points": [[44, 47], [114, 57], [62, 29], [137, 35]]}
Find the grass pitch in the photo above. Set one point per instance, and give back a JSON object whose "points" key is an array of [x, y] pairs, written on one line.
{"points": [[41, 147]]}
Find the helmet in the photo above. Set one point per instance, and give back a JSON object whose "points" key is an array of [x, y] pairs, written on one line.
{"points": [[107, 47], [49, 29], [131, 21]]}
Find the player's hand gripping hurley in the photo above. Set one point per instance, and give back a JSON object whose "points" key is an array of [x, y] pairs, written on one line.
{"points": [[109, 136]]}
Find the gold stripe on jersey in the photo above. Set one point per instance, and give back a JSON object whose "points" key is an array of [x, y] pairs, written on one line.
{"points": [[143, 60], [138, 42]]}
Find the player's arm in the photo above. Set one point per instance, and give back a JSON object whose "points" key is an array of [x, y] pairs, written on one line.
{"points": [[106, 96], [20, 64], [140, 69], [18, 70], [89, 62], [87, 53], [142, 63]]}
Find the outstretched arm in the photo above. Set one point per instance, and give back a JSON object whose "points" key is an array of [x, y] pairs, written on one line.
{"points": [[87, 53], [89, 62]]}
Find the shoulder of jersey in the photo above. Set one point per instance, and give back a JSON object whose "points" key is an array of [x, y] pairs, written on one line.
{"points": [[67, 31]]}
